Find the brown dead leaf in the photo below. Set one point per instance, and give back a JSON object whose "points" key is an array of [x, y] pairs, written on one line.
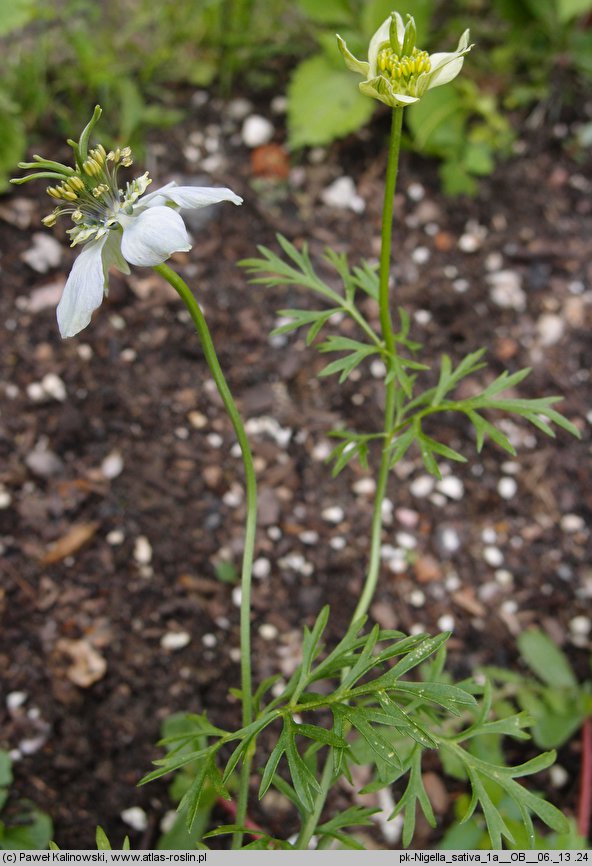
{"points": [[76, 537], [87, 667]]}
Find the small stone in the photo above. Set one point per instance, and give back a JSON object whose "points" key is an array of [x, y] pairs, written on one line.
{"points": [[15, 700], [488, 535], [406, 540], [209, 640], [115, 537], [142, 550], [420, 255], [5, 498], [237, 596], [451, 487], [256, 130], [407, 517], [365, 487], [42, 462], [215, 440], [417, 598], [337, 543], [448, 539], [112, 465], [333, 514], [309, 537], [506, 290], [580, 626], [268, 631], [135, 817], [504, 578], [175, 640], [507, 488], [54, 387], [415, 191], [558, 776], [461, 285], [261, 568], [446, 622], [46, 253], [572, 523], [493, 556], [550, 329], [422, 486], [342, 194], [378, 369], [427, 569], [238, 108]]}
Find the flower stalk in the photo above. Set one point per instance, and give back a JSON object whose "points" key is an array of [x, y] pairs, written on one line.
{"points": [[211, 357]]}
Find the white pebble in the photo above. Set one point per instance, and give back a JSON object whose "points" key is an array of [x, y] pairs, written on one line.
{"points": [[209, 640], [175, 640], [54, 387], [35, 392], [507, 488], [84, 352], [420, 255], [558, 776], [261, 568], [406, 541], [452, 582], [333, 514], [237, 596], [337, 543], [256, 131], [5, 497], [135, 817], [309, 536], [417, 598], [422, 486], [197, 419], [451, 487], [509, 607], [115, 537], [506, 290], [504, 577], [422, 317], [215, 440], [415, 191], [446, 622], [461, 285], [550, 329], [450, 539], [493, 556], [365, 487], [268, 631], [142, 550], [15, 700], [342, 194], [322, 450], [238, 108], [488, 535], [112, 465], [572, 523], [469, 243], [233, 497], [378, 369], [580, 626]]}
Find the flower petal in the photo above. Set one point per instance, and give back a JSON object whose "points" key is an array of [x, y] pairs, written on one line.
{"points": [[189, 196], [84, 289], [380, 37], [352, 63], [153, 235], [380, 88], [445, 67]]}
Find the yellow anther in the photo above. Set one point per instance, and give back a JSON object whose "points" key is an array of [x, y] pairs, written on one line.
{"points": [[50, 220], [91, 167], [67, 194], [53, 192], [99, 190], [127, 162], [77, 216], [126, 152], [75, 183], [99, 153]]}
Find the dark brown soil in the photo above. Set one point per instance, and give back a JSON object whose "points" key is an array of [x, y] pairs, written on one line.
{"points": [[136, 385]]}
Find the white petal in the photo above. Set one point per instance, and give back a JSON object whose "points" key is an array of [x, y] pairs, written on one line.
{"points": [[380, 37], [189, 196], [83, 291], [352, 63], [445, 67], [152, 236]]}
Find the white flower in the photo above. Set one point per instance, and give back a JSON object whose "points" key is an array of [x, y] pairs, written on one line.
{"points": [[396, 72], [117, 227]]}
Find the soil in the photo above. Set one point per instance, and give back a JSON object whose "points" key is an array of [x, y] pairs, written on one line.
{"points": [[122, 506]]}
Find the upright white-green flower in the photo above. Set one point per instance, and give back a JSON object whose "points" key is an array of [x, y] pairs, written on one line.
{"points": [[115, 226], [397, 72]]}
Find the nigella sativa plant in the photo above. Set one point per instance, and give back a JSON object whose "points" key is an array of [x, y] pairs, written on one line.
{"points": [[116, 227], [397, 72]]}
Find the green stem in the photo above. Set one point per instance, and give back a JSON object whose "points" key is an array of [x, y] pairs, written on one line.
{"points": [[386, 327], [251, 521]]}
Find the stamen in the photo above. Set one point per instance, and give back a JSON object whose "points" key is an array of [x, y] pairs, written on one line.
{"points": [[403, 69], [92, 167]]}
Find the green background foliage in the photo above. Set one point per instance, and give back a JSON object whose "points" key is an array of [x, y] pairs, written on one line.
{"points": [[142, 61]]}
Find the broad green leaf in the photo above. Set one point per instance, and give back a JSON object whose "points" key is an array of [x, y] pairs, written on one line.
{"points": [[546, 659], [568, 9], [324, 103]]}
